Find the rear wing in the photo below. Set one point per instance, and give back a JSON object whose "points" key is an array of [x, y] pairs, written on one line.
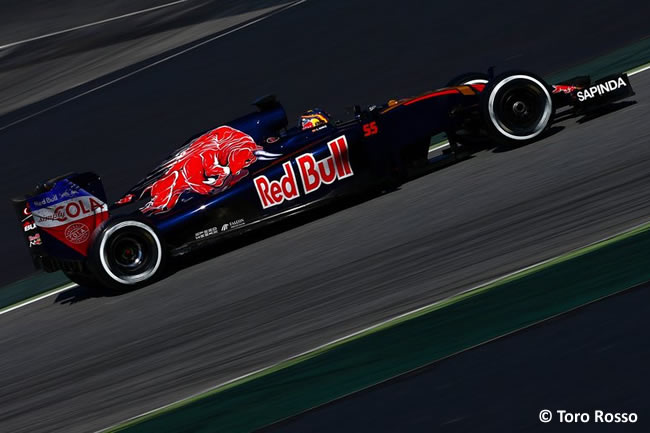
{"points": [[59, 219]]}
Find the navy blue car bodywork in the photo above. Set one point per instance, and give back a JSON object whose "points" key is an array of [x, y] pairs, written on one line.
{"points": [[254, 170], [401, 135]]}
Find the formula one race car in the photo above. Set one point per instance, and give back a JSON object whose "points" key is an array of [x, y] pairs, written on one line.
{"points": [[255, 170]]}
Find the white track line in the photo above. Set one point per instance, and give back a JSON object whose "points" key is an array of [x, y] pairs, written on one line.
{"points": [[221, 35], [439, 146], [643, 68], [375, 326], [96, 23], [38, 298]]}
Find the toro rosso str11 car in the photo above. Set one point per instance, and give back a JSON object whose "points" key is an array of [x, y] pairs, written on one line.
{"points": [[254, 170]]}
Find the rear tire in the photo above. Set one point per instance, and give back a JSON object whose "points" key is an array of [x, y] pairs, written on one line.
{"points": [[517, 107], [127, 254]]}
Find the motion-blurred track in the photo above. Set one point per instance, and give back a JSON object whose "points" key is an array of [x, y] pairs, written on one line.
{"points": [[83, 363]]}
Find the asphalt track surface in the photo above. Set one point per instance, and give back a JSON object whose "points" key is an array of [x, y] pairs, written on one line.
{"points": [[80, 362], [50, 46], [32, 18], [594, 358]]}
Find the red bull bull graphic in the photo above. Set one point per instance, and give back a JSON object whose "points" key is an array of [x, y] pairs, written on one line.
{"points": [[208, 165], [312, 175], [69, 214], [560, 88]]}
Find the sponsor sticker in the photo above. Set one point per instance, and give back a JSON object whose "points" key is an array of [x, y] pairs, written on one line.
{"points": [[126, 199], [236, 223], [559, 88], [35, 240], [68, 193], [601, 89], [47, 200], [206, 233], [68, 211], [69, 214], [214, 230], [77, 233], [312, 173]]}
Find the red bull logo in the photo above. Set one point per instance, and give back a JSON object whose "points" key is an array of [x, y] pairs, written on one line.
{"points": [[560, 88], [210, 164], [313, 174], [35, 240]]}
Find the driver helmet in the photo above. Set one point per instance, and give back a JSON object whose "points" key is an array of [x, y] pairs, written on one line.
{"points": [[314, 118]]}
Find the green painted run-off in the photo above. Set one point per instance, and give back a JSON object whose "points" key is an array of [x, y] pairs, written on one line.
{"points": [[27, 288], [624, 59]]}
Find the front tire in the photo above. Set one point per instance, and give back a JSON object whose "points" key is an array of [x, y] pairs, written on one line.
{"points": [[127, 254], [517, 107]]}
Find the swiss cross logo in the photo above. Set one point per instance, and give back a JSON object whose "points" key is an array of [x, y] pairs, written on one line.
{"points": [[313, 174]]}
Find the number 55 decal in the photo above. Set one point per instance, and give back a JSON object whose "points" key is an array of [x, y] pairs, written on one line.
{"points": [[370, 129]]}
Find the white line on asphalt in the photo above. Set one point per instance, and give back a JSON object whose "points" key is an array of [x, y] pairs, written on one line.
{"points": [[439, 146], [373, 327], [72, 29], [643, 68], [38, 298], [243, 26]]}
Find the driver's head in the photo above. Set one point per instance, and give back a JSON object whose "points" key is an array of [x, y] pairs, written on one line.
{"points": [[313, 118]]}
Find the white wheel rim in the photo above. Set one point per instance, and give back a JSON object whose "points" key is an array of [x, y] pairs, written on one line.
{"points": [[545, 116], [134, 279]]}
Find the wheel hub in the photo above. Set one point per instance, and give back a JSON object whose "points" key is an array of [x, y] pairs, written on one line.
{"points": [[520, 108], [129, 252]]}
